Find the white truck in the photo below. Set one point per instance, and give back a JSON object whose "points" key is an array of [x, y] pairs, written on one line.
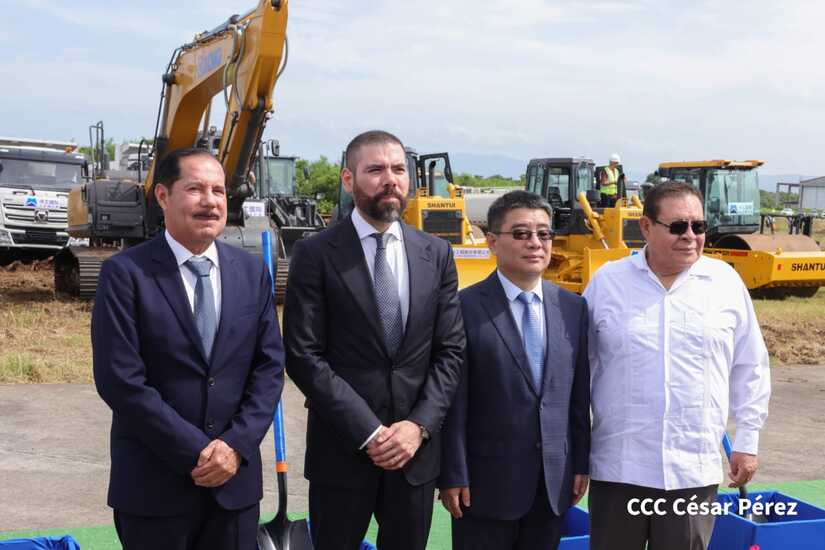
{"points": [[35, 179]]}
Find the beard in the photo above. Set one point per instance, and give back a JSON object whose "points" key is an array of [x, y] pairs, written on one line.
{"points": [[387, 212]]}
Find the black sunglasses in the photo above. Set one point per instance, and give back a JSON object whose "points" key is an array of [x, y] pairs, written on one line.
{"points": [[526, 234], [680, 227]]}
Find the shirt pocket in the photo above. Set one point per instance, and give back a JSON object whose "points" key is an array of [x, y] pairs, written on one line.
{"points": [[643, 357], [688, 359]]}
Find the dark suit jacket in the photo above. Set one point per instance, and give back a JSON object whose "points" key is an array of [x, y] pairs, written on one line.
{"points": [[501, 430], [168, 402], [335, 352]]}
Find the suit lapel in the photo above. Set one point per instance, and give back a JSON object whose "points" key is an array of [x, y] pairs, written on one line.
{"points": [[230, 298], [167, 275], [420, 273], [553, 330], [349, 260], [498, 308]]}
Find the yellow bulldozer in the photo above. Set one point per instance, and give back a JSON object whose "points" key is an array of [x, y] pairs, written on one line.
{"points": [[437, 206], [773, 266], [586, 236]]}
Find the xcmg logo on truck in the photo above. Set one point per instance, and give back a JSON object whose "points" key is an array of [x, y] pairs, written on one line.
{"points": [[808, 266]]}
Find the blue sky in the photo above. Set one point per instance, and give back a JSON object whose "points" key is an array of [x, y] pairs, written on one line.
{"points": [[652, 80]]}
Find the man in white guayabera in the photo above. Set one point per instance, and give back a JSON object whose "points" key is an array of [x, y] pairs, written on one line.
{"points": [[674, 343]]}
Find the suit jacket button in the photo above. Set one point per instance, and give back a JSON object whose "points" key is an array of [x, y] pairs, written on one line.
{"points": [[211, 381], [538, 445], [210, 423]]}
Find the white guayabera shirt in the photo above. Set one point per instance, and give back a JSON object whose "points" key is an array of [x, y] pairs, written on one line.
{"points": [[666, 365]]}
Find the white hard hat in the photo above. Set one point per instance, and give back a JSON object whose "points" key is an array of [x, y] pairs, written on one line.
{"points": [[615, 158]]}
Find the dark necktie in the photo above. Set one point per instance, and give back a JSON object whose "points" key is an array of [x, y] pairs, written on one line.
{"points": [[386, 295], [204, 301], [531, 334]]}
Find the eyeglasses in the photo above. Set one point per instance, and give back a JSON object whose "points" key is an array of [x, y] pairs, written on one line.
{"points": [[680, 227], [526, 234]]}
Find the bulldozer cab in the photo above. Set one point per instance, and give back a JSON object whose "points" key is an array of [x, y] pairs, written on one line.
{"points": [[731, 191], [431, 172], [560, 180]]}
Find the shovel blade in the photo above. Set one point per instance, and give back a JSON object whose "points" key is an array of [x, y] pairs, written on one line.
{"points": [[290, 535]]}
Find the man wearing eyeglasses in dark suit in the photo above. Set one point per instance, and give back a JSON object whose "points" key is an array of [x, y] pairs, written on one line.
{"points": [[674, 344], [517, 437]]}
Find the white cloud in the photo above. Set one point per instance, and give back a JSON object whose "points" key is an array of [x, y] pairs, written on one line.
{"points": [[649, 79]]}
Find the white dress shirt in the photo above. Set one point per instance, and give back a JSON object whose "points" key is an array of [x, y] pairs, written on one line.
{"points": [[666, 365], [396, 258], [182, 255], [517, 307]]}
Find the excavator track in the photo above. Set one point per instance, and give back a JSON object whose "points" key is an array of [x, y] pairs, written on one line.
{"points": [[77, 270]]}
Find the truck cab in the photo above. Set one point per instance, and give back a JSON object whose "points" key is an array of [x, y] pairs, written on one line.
{"points": [[35, 179]]}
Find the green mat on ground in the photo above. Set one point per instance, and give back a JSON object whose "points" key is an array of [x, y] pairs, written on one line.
{"points": [[104, 537]]}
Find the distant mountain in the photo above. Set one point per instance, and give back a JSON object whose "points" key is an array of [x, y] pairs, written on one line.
{"points": [[490, 165], [487, 165]]}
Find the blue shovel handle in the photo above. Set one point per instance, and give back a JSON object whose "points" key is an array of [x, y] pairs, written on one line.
{"points": [[726, 444], [278, 417]]}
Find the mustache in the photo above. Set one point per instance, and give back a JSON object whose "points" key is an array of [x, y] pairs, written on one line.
{"points": [[207, 214], [389, 192]]}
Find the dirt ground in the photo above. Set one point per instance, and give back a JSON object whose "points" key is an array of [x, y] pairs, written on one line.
{"points": [[46, 339]]}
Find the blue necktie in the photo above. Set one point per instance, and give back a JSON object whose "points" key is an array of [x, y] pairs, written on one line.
{"points": [[204, 302], [532, 337], [386, 295]]}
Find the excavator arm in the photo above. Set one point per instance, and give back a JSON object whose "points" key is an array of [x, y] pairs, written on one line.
{"points": [[242, 59]]}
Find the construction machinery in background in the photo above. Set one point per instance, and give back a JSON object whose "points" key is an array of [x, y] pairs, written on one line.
{"points": [[242, 59], [294, 216], [773, 266], [587, 236], [35, 179], [437, 206]]}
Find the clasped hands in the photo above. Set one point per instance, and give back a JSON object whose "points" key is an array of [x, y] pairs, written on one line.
{"points": [[394, 446], [217, 463]]}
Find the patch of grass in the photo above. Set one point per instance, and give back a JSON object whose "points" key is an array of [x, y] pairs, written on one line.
{"points": [[45, 342]]}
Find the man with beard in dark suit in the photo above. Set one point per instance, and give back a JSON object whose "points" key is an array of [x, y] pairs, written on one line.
{"points": [[374, 339]]}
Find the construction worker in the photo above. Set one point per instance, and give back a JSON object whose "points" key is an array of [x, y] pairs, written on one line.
{"points": [[609, 181]]}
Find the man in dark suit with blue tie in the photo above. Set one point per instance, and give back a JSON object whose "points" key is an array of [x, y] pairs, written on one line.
{"points": [[517, 437], [373, 337], [188, 355]]}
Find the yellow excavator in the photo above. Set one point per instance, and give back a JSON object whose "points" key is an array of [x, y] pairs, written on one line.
{"points": [[242, 59], [773, 266], [437, 206]]}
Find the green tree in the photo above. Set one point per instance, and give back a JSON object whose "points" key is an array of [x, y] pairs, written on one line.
{"points": [[110, 150], [323, 180]]}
